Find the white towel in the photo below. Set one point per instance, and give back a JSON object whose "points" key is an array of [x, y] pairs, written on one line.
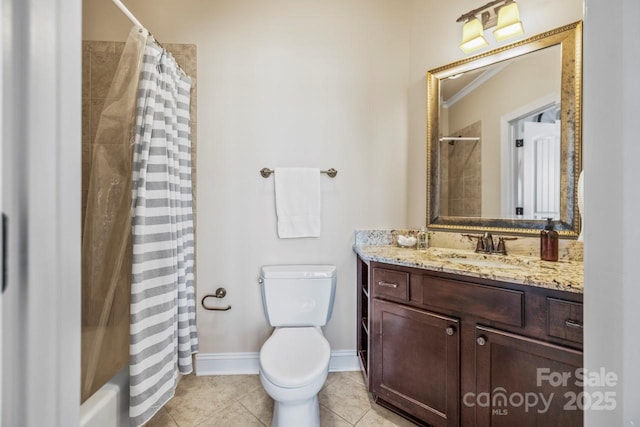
{"points": [[298, 202]]}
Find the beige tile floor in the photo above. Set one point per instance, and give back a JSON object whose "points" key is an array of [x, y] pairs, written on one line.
{"points": [[240, 400]]}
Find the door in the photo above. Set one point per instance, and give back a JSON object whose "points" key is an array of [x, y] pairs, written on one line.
{"points": [[524, 382], [541, 167], [530, 166], [40, 54], [415, 362], [2, 232]]}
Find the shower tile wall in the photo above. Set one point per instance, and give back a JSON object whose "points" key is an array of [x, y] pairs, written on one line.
{"points": [[460, 173], [99, 63]]}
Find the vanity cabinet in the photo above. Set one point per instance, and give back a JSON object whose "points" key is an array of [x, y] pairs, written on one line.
{"points": [[508, 368], [447, 350], [415, 361]]}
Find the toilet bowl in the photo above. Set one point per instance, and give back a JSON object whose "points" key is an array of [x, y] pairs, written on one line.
{"points": [[294, 361]]}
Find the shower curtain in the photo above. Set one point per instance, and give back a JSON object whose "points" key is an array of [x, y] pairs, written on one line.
{"points": [[163, 331], [106, 242]]}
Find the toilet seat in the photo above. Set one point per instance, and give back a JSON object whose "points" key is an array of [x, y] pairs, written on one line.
{"points": [[295, 357]]}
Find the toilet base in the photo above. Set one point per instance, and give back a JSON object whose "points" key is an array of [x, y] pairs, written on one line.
{"points": [[295, 414]]}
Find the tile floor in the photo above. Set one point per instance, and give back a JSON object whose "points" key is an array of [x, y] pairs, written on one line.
{"points": [[240, 400]]}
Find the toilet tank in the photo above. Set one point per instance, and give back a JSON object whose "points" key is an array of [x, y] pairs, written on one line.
{"points": [[298, 295]]}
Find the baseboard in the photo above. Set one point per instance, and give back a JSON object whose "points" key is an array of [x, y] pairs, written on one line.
{"points": [[344, 360], [249, 363], [227, 363]]}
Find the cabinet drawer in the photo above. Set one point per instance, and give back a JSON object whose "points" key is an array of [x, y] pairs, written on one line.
{"points": [[564, 319], [488, 302], [391, 283]]}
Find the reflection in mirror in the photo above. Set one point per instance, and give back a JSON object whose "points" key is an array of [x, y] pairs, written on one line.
{"points": [[504, 137], [499, 156]]}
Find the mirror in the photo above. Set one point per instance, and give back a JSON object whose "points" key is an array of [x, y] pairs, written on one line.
{"points": [[504, 137]]}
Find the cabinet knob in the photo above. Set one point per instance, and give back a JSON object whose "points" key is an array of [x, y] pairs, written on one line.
{"points": [[450, 330], [481, 340]]}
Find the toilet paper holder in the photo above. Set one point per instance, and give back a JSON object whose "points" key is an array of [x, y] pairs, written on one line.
{"points": [[220, 293]]}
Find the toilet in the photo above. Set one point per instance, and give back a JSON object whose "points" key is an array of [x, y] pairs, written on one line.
{"points": [[294, 361]]}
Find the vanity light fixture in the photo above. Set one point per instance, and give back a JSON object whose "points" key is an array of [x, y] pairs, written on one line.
{"points": [[473, 36], [509, 24], [502, 14]]}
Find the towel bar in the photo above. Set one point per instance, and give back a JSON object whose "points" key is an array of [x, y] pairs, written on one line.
{"points": [[266, 172]]}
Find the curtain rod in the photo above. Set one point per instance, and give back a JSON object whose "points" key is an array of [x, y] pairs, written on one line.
{"points": [[128, 13], [135, 21]]}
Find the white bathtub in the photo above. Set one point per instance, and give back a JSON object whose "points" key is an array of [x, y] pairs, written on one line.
{"points": [[109, 406]]}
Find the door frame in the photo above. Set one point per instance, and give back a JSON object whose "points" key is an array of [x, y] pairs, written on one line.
{"points": [[507, 164]]}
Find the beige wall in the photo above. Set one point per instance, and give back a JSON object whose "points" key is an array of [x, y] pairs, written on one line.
{"points": [[338, 83], [435, 37], [521, 83], [285, 83]]}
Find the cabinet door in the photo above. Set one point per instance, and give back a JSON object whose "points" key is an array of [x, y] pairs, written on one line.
{"points": [[524, 382], [415, 362]]}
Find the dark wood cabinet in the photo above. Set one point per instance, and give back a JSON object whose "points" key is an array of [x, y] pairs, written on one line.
{"points": [[530, 382], [363, 318], [414, 362], [447, 350]]}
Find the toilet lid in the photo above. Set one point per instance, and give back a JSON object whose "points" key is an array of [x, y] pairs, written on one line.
{"points": [[294, 357]]}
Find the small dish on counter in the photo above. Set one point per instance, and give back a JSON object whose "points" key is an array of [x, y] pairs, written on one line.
{"points": [[406, 241]]}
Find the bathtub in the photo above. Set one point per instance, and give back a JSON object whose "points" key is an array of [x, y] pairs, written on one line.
{"points": [[109, 406]]}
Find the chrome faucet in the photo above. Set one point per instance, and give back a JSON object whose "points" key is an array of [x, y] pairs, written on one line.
{"points": [[486, 245], [487, 239]]}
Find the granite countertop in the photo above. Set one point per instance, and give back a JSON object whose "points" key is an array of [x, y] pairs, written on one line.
{"points": [[562, 275]]}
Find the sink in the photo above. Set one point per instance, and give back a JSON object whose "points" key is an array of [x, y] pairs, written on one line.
{"points": [[480, 262], [473, 259]]}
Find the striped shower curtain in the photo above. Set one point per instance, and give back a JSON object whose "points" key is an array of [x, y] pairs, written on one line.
{"points": [[163, 331]]}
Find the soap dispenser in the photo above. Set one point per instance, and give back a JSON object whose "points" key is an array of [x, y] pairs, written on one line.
{"points": [[549, 242]]}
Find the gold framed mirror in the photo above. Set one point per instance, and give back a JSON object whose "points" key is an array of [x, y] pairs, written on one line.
{"points": [[504, 137]]}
